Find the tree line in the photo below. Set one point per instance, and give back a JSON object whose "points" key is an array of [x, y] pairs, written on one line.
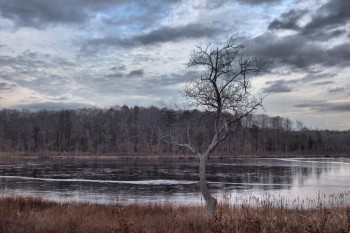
{"points": [[152, 130]]}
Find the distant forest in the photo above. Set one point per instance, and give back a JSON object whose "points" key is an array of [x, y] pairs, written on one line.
{"points": [[152, 130]]}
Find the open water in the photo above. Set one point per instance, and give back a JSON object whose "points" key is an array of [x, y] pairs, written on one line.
{"points": [[295, 181]]}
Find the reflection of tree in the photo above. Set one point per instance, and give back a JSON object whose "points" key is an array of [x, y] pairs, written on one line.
{"points": [[301, 174], [268, 176]]}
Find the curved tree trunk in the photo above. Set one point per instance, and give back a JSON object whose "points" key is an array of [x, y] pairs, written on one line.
{"points": [[210, 200]]}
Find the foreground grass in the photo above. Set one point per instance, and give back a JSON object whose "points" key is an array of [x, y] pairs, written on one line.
{"points": [[20, 214]]}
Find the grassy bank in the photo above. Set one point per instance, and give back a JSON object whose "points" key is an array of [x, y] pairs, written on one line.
{"points": [[19, 214]]}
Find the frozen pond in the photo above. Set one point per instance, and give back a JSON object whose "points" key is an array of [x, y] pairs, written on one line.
{"points": [[126, 181]]}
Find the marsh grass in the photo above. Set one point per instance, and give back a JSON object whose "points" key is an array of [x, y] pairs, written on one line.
{"points": [[28, 214]]}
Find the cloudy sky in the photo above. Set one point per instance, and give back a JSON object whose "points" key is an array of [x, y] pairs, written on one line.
{"points": [[76, 53]]}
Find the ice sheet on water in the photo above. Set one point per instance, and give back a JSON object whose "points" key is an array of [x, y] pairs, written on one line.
{"points": [[313, 160], [135, 182]]}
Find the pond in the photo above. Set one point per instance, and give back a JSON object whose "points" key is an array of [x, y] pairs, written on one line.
{"points": [[295, 181]]}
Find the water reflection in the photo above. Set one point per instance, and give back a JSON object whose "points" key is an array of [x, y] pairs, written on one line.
{"points": [[105, 181]]}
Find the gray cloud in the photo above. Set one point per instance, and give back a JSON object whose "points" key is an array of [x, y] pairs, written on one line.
{"points": [[328, 21], [314, 77], [51, 106], [6, 86], [168, 80], [282, 85], [336, 90], [324, 106], [160, 35], [332, 14], [298, 51], [59, 98], [214, 4], [115, 75], [278, 86], [302, 50], [118, 68], [323, 83], [28, 61], [166, 34], [49, 84], [38, 72], [40, 14], [289, 50], [118, 74], [289, 20], [136, 73], [23, 62], [155, 86], [148, 17], [338, 55], [257, 2], [325, 35]]}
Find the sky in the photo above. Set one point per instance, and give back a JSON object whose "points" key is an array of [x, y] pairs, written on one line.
{"points": [[87, 53]]}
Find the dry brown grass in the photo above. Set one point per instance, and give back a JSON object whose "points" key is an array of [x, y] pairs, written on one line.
{"points": [[23, 214]]}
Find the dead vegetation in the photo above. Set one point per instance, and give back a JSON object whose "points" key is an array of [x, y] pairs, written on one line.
{"points": [[26, 214]]}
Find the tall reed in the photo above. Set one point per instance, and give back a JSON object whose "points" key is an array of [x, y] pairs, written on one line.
{"points": [[34, 215]]}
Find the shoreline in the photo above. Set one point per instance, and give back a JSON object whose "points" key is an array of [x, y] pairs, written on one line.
{"points": [[114, 156]]}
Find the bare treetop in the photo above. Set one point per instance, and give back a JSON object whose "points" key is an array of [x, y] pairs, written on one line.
{"points": [[224, 85]]}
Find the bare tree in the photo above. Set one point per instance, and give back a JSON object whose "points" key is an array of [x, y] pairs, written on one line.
{"points": [[222, 89]]}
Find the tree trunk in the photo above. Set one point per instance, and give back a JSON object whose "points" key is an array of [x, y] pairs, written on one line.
{"points": [[210, 201]]}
